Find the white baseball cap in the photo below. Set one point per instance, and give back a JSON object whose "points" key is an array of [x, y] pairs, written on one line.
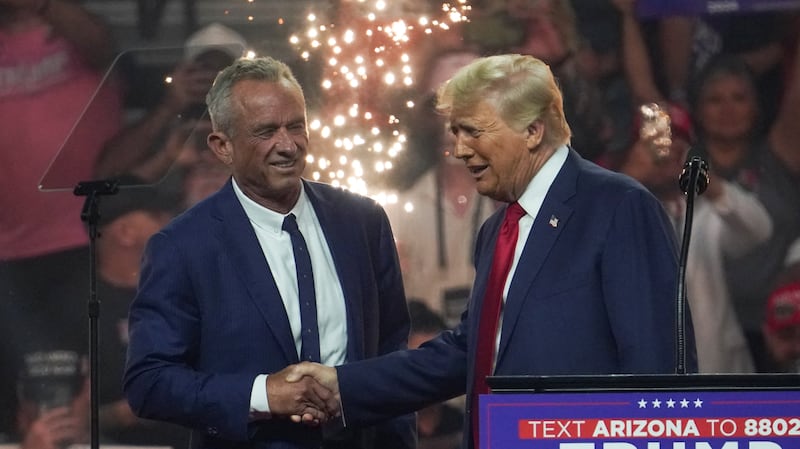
{"points": [[215, 36]]}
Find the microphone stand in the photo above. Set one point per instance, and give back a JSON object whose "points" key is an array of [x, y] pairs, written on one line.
{"points": [[693, 181], [90, 214]]}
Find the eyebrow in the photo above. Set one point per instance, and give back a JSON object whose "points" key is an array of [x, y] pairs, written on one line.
{"points": [[276, 125]]}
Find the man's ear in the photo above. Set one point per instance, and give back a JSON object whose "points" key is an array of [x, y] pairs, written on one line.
{"points": [[221, 145], [535, 135]]}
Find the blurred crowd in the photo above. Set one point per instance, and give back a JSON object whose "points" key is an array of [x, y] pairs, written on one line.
{"points": [[641, 95]]}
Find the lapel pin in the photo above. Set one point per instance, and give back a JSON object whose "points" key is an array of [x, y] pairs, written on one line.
{"points": [[553, 221]]}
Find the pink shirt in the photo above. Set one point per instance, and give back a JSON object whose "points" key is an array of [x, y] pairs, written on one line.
{"points": [[44, 89]]}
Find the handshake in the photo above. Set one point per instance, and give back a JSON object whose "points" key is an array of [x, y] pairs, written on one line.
{"points": [[306, 392]]}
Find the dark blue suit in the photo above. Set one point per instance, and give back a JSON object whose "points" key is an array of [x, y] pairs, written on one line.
{"points": [[593, 293], [208, 318]]}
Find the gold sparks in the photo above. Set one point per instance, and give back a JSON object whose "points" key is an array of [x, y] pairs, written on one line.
{"points": [[368, 58]]}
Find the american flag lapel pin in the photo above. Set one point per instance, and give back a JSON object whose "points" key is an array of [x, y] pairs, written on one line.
{"points": [[553, 221]]}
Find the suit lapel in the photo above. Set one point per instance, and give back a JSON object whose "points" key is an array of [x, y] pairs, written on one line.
{"points": [[340, 235], [548, 225], [244, 250]]}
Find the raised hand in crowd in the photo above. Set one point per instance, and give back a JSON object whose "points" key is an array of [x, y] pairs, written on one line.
{"points": [[57, 427]]}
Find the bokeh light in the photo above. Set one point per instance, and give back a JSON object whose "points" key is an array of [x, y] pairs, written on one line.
{"points": [[370, 64]]}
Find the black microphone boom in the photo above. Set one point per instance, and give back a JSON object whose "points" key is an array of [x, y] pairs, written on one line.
{"points": [[692, 181]]}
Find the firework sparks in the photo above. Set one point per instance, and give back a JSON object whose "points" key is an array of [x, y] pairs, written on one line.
{"points": [[369, 59]]}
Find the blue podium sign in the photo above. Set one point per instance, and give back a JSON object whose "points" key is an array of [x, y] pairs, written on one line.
{"points": [[656, 8], [642, 420]]}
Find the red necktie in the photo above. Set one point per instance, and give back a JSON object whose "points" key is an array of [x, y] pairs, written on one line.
{"points": [[490, 311]]}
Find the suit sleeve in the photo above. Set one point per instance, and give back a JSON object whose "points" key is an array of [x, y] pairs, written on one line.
{"points": [[404, 381], [400, 381], [639, 272], [164, 328]]}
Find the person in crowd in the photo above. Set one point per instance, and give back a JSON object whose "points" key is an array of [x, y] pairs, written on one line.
{"points": [[270, 270], [204, 174], [599, 60], [53, 58], [724, 104], [127, 220], [726, 111], [575, 275], [163, 140], [782, 329], [779, 351], [440, 425], [552, 36], [683, 45], [53, 396], [729, 220], [437, 264]]}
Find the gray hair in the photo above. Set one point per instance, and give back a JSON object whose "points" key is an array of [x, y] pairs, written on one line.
{"points": [[259, 69], [522, 89]]}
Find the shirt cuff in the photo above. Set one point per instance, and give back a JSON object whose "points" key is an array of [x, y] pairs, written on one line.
{"points": [[259, 403]]}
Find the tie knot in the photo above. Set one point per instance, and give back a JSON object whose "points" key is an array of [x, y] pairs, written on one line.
{"points": [[290, 223], [514, 212]]}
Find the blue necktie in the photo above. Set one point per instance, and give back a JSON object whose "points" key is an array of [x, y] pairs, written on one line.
{"points": [[309, 349]]}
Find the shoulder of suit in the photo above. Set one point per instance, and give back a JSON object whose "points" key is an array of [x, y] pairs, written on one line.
{"points": [[594, 176]]}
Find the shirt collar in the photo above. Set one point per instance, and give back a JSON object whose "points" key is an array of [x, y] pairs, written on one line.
{"points": [[533, 196], [267, 219]]}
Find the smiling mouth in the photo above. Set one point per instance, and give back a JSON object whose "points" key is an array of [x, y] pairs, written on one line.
{"points": [[284, 164]]}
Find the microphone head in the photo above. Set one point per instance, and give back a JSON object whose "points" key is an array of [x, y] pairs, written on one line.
{"points": [[696, 168]]}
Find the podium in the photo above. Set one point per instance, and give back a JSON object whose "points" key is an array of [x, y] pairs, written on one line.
{"points": [[693, 411]]}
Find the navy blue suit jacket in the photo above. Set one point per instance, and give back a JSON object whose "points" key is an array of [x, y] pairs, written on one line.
{"points": [[593, 293], [208, 318]]}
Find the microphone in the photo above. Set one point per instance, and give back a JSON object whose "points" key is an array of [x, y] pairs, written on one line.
{"points": [[693, 181], [695, 172]]}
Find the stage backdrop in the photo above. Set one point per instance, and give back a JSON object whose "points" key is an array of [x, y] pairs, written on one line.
{"points": [[656, 8]]}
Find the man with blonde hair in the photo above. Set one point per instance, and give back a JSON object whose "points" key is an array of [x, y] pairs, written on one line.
{"points": [[575, 276]]}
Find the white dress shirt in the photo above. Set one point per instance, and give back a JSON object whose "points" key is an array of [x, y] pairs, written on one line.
{"points": [[277, 248], [531, 201]]}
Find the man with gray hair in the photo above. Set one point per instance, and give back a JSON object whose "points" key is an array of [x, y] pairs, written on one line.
{"points": [[270, 270]]}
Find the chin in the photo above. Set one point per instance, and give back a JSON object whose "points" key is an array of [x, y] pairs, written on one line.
{"points": [[482, 189]]}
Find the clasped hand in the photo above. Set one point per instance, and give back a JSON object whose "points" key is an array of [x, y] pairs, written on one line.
{"points": [[306, 392]]}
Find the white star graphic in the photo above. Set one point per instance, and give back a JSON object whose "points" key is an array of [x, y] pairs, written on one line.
{"points": [[642, 403], [670, 403], [656, 404], [684, 403], [698, 403]]}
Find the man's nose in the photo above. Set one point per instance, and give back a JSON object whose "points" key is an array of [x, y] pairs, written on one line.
{"points": [[460, 150], [284, 141]]}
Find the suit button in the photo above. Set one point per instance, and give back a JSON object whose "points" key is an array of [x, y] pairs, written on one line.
{"points": [[212, 431]]}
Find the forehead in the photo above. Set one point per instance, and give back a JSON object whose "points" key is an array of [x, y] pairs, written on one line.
{"points": [[483, 112], [267, 96], [727, 82], [259, 91]]}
